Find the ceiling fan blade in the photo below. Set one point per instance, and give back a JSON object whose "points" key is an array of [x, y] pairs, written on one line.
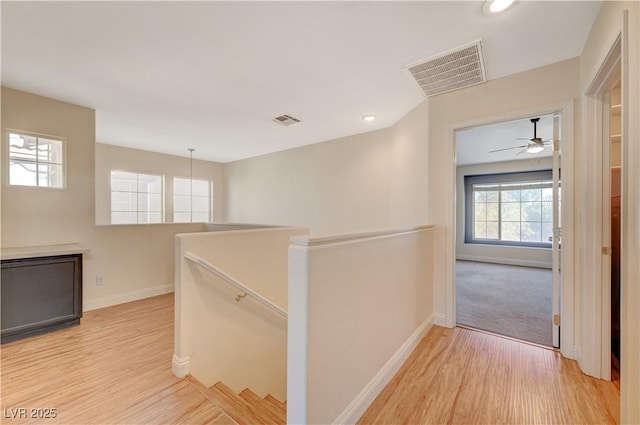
{"points": [[506, 149], [522, 151]]}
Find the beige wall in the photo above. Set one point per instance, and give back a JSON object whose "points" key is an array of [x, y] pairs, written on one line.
{"points": [[357, 307], [524, 256], [135, 261], [541, 87], [607, 26], [243, 344], [110, 157], [40, 216], [369, 181]]}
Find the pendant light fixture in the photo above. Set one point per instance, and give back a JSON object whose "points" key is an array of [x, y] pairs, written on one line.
{"points": [[191, 184]]}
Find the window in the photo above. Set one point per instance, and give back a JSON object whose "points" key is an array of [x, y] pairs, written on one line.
{"points": [[187, 208], [136, 198], [35, 161], [509, 209]]}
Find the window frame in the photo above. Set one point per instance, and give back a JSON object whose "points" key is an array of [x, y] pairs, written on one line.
{"points": [[37, 162], [209, 198], [496, 178], [137, 212]]}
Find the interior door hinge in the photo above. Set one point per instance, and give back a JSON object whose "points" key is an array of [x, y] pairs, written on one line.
{"points": [[606, 250], [556, 145], [556, 319]]}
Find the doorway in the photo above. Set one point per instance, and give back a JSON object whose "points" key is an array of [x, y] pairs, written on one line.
{"points": [[507, 228], [611, 216], [606, 146]]}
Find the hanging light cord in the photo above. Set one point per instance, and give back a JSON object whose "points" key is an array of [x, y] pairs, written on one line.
{"points": [[191, 183]]}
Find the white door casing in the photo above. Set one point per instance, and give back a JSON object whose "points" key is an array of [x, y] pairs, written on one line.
{"points": [[566, 287]]}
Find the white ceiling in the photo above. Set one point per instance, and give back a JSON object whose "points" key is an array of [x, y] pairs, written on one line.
{"points": [[166, 76], [474, 145]]}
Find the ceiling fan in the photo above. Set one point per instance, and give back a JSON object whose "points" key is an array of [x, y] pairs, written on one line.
{"points": [[535, 144]]}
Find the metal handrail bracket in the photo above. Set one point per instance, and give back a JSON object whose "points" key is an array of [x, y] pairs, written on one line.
{"points": [[235, 283]]}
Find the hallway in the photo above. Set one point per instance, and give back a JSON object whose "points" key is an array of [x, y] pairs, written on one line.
{"points": [[460, 376]]}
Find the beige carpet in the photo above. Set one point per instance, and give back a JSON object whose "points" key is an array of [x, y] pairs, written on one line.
{"points": [[508, 300]]}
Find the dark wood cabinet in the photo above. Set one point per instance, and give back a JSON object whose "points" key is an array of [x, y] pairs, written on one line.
{"points": [[40, 294]]}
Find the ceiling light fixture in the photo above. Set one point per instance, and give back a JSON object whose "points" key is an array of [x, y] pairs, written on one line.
{"points": [[535, 148], [369, 118], [496, 6]]}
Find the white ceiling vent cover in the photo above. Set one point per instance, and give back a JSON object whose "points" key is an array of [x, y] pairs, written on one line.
{"points": [[453, 70], [286, 120]]}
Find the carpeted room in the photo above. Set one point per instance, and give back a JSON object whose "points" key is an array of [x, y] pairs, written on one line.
{"points": [[513, 301]]}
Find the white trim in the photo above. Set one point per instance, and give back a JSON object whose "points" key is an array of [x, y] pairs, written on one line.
{"points": [[42, 251], [127, 297], [180, 366], [577, 353], [507, 261], [307, 240], [568, 220], [298, 336], [596, 304], [440, 319], [363, 400]]}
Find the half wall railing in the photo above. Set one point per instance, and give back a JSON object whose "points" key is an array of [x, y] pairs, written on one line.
{"points": [[358, 305], [245, 290], [217, 338]]}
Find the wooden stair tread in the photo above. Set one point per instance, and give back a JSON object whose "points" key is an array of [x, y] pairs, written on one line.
{"points": [[276, 403], [232, 404], [239, 409], [279, 415]]}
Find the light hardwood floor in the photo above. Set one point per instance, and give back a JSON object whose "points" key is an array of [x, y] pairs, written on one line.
{"points": [[116, 368], [113, 368], [460, 376]]}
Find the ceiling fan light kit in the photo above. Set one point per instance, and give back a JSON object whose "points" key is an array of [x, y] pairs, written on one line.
{"points": [[491, 7], [535, 149]]}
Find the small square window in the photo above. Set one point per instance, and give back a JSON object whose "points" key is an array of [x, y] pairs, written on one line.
{"points": [[35, 161]]}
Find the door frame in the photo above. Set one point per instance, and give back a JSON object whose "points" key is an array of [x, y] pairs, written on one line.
{"points": [[566, 110], [597, 265]]}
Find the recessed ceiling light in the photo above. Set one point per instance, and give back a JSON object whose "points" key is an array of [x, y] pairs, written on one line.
{"points": [[495, 6], [369, 118]]}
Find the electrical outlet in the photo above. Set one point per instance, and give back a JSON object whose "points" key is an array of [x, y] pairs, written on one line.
{"points": [[99, 280]]}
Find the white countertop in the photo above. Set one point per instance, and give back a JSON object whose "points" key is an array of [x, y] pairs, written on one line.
{"points": [[42, 251]]}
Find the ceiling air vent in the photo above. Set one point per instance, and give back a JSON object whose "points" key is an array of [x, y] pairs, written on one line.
{"points": [[453, 70], [286, 120]]}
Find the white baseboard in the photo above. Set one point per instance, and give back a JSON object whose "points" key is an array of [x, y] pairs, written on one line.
{"points": [[507, 261], [439, 319], [363, 400], [577, 353], [127, 297], [180, 366]]}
